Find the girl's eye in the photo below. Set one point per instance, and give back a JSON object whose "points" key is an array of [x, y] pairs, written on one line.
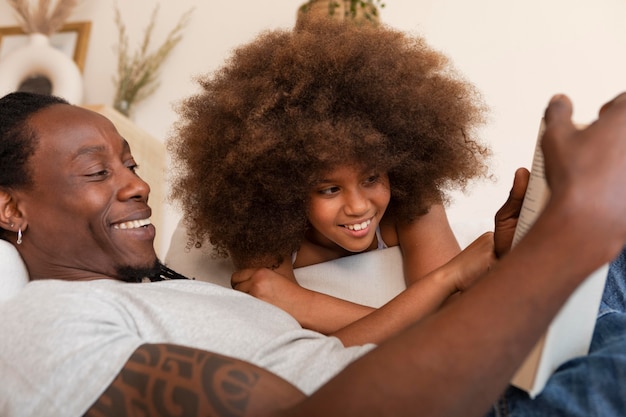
{"points": [[372, 179], [328, 190]]}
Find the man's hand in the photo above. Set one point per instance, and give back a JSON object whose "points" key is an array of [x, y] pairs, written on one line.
{"points": [[586, 170], [507, 216]]}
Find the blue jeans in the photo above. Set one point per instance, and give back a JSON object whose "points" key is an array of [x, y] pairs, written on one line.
{"points": [[589, 386]]}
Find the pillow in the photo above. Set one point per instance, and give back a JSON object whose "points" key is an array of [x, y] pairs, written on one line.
{"points": [[356, 278], [369, 278], [196, 262], [13, 273]]}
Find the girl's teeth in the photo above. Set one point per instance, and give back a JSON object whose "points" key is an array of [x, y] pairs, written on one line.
{"points": [[359, 226]]}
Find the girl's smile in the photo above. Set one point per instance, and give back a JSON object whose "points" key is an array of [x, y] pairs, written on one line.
{"points": [[359, 226]]}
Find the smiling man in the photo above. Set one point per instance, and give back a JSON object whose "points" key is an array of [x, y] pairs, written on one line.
{"points": [[79, 339]]}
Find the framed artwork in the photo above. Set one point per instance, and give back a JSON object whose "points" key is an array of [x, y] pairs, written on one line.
{"points": [[72, 39]]}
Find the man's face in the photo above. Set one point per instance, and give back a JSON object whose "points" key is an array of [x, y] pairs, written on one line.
{"points": [[87, 214]]}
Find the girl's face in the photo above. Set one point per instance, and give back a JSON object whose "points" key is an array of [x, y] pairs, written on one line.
{"points": [[346, 207]]}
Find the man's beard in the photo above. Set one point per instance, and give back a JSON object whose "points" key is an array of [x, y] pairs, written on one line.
{"points": [[137, 274]]}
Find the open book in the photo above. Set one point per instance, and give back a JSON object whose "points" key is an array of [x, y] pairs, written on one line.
{"points": [[569, 334]]}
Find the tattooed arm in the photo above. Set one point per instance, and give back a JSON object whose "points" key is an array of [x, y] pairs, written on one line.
{"points": [[171, 380]]}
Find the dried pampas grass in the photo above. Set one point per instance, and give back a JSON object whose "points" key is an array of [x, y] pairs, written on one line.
{"points": [[39, 18], [138, 71]]}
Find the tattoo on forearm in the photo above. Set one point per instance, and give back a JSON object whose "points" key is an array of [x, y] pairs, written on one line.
{"points": [[168, 380]]}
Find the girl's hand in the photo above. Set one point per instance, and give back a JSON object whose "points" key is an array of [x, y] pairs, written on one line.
{"points": [[272, 287], [506, 218], [472, 263]]}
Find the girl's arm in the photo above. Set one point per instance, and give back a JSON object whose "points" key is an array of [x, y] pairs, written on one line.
{"points": [[356, 324], [426, 243], [313, 310], [423, 297]]}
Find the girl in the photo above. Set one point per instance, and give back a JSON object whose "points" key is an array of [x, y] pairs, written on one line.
{"points": [[329, 140]]}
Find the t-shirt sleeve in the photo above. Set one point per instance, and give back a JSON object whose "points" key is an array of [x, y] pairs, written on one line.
{"points": [[61, 362]]}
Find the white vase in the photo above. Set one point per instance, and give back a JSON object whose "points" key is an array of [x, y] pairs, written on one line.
{"points": [[39, 59]]}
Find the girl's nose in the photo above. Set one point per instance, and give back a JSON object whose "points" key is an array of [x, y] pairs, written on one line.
{"points": [[356, 204]]}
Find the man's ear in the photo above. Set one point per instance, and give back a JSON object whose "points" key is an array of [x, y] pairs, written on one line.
{"points": [[10, 216]]}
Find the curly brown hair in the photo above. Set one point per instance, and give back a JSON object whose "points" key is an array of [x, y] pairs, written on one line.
{"points": [[292, 104]]}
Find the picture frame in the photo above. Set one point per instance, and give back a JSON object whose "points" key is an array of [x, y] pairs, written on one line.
{"points": [[72, 39]]}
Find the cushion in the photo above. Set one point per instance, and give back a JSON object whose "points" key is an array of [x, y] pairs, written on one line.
{"points": [[13, 273], [355, 278], [369, 278]]}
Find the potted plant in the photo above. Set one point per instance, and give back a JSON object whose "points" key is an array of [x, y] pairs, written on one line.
{"points": [[358, 11], [138, 71]]}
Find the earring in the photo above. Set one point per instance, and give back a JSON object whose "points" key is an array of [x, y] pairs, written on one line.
{"points": [[19, 236]]}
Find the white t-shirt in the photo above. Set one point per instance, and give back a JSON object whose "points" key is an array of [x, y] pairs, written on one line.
{"points": [[64, 342]]}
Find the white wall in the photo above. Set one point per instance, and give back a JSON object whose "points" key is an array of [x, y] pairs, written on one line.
{"points": [[517, 53]]}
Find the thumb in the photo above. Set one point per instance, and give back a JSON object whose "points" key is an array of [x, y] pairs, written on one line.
{"points": [[558, 114]]}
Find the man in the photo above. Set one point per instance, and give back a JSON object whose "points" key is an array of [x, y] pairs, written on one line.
{"points": [[78, 339]]}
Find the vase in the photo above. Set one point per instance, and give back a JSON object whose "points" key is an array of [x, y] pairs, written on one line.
{"points": [[122, 106], [39, 64], [316, 9], [357, 12]]}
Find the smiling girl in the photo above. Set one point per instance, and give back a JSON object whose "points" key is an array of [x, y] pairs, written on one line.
{"points": [[326, 141]]}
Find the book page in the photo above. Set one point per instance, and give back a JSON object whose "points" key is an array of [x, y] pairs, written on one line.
{"points": [[537, 193]]}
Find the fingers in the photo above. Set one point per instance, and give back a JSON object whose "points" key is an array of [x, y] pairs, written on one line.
{"points": [[513, 204], [506, 218], [251, 280], [559, 111], [520, 183], [239, 279], [558, 118]]}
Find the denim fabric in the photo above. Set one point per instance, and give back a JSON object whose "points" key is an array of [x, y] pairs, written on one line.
{"points": [[588, 386]]}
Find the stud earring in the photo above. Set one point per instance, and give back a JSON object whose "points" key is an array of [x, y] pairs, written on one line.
{"points": [[19, 236]]}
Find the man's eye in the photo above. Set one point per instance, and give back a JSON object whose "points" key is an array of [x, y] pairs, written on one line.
{"points": [[133, 167], [100, 173]]}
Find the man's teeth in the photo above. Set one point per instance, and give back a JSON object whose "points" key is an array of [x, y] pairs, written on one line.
{"points": [[133, 224], [358, 226]]}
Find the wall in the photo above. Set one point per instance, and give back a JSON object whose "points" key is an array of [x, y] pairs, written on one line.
{"points": [[517, 53]]}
